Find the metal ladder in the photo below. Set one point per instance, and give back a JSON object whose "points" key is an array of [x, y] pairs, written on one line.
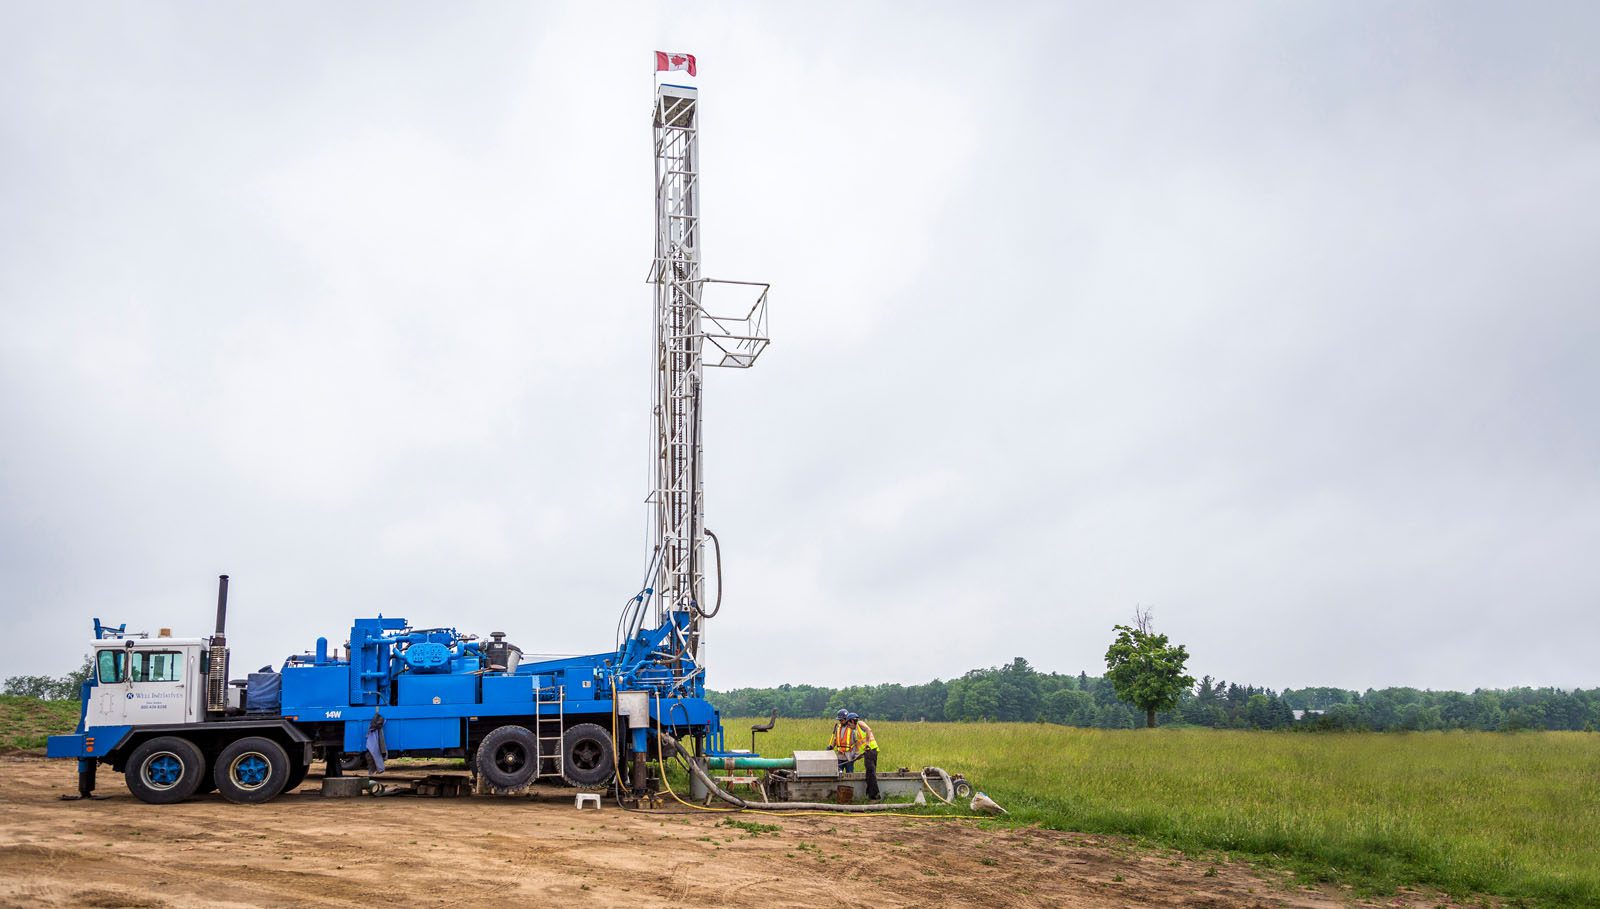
{"points": [[548, 728]]}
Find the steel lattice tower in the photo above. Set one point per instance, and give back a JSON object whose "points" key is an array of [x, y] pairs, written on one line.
{"points": [[688, 338]]}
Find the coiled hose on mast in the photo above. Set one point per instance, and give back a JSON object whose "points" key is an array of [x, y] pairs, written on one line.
{"points": [[713, 613]]}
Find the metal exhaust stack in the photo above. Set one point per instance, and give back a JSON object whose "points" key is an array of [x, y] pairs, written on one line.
{"points": [[222, 604], [217, 657]]}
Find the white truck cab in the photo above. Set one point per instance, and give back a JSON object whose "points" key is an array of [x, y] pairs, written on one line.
{"points": [[162, 713], [145, 681]]}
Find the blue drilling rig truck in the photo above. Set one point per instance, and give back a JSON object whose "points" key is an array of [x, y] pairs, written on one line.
{"points": [[164, 712]]}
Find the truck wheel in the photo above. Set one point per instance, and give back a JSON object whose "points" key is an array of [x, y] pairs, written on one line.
{"points": [[588, 757], [297, 775], [508, 757], [251, 770], [165, 770]]}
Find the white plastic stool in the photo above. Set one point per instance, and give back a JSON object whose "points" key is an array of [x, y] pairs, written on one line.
{"points": [[587, 798]]}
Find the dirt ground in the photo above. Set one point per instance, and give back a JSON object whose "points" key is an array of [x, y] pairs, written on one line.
{"points": [[302, 849]]}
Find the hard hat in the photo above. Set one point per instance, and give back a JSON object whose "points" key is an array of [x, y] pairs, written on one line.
{"points": [[844, 714], [853, 716]]}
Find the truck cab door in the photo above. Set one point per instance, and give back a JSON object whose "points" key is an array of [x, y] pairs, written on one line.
{"points": [[160, 689], [107, 697], [144, 684]]}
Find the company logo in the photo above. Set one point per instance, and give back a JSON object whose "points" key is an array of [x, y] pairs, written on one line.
{"points": [[154, 700]]}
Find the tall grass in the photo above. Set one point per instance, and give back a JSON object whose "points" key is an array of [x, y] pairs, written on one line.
{"points": [[1516, 816], [26, 723]]}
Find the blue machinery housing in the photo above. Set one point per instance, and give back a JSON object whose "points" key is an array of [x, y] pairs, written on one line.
{"points": [[431, 686]]}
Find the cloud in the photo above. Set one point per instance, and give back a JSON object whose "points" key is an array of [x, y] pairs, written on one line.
{"points": [[1278, 321]]}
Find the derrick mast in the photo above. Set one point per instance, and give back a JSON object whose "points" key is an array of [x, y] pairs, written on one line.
{"points": [[688, 338]]}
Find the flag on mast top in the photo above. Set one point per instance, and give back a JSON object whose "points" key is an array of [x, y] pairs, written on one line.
{"points": [[667, 61]]}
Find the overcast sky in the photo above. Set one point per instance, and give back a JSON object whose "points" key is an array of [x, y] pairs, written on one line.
{"points": [[1278, 319]]}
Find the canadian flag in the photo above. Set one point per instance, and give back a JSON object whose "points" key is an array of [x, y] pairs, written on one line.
{"points": [[666, 62]]}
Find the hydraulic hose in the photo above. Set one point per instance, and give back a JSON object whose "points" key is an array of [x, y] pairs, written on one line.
{"points": [[718, 544], [633, 611]]}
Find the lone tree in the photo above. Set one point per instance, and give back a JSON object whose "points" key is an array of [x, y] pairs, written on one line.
{"points": [[1145, 670]]}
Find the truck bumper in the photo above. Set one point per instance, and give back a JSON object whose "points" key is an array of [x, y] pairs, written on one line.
{"points": [[92, 744], [66, 746]]}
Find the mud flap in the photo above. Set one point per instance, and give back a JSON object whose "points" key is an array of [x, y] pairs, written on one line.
{"points": [[375, 747]]}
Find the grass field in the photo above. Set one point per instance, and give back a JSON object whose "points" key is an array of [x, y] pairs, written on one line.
{"points": [[27, 722], [1513, 815]]}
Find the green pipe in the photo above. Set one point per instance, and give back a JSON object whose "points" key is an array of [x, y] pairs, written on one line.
{"points": [[753, 763]]}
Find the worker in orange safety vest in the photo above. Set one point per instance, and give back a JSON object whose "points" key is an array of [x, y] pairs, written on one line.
{"points": [[846, 742]]}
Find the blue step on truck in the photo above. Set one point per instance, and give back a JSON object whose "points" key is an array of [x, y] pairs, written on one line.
{"points": [[162, 710]]}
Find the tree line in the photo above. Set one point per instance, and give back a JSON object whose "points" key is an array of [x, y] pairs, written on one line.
{"points": [[1016, 692], [49, 688]]}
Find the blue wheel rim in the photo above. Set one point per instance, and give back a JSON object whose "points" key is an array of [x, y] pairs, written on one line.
{"points": [[250, 770], [162, 770]]}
